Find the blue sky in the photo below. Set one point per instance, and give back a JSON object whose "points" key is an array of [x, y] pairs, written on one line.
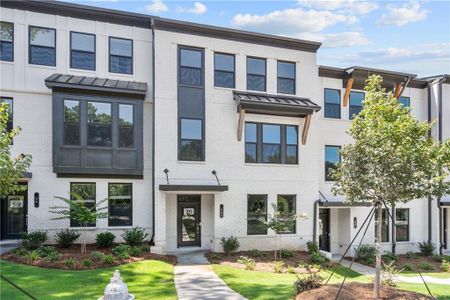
{"points": [[408, 36]]}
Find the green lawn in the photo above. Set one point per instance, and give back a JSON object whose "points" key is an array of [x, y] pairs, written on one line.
{"points": [[441, 291], [149, 279]]}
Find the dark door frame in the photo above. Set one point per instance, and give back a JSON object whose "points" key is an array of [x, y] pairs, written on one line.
{"points": [[189, 201], [324, 244], [4, 213]]}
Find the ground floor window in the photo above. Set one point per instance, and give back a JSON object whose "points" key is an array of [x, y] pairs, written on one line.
{"points": [[256, 214], [384, 226], [402, 224], [120, 200], [286, 205], [85, 193]]}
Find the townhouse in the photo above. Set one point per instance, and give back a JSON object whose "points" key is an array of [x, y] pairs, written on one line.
{"points": [[192, 131]]}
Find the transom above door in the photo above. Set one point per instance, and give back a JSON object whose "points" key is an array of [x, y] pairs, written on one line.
{"points": [[188, 220]]}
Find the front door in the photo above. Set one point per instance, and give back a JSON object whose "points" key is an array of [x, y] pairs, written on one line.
{"points": [[188, 220], [324, 229], [14, 215]]}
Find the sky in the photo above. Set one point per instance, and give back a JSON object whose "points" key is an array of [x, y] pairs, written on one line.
{"points": [[404, 36]]}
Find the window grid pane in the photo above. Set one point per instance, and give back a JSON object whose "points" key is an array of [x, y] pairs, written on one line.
{"points": [[84, 192], [256, 74], [120, 55], [126, 129], [356, 103], [120, 202], [332, 157], [332, 104], [286, 206], [82, 53], [99, 124], [6, 41], [9, 102], [402, 224], [191, 139], [256, 214], [71, 122]]}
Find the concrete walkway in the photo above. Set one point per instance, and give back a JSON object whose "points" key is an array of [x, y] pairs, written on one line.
{"points": [[196, 280]]}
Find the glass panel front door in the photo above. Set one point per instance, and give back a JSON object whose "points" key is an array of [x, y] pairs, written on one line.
{"points": [[324, 229], [188, 221], [14, 211]]}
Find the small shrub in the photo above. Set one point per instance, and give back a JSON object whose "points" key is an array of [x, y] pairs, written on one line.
{"points": [[70, 262], [257, 254], [45, 251], [389, 273], [290, 270], [389, 257], [33, 240], [302, 264], [136, 251], [88, 263], [366, 252], [122, 251], [309, 282], [230, 244], [408, 268], [20, 251], [108, 259], [312, 247], [134, 236], [105, 239], [370, 261], [214, 256], [318, 258], [286, 253], [426, 266], [278, 266], [445, 265], [411, 255], [426, 248], [97, 256], [53, 256], [32, 255], [249, 263], [65, 238], [441, 258]]}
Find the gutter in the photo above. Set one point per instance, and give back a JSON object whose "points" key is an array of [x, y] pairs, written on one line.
{"points": [[430, 199], [441, 231], [152, 25]]}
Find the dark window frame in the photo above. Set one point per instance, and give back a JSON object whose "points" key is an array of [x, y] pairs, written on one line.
{"points": [[202, 68], [223, 71], [407, 225], [111, 124], [407, 98], [131, 204], [281, 131], [294, 230], [291, 145], [252, 143], [29, 45], [119, 125], [384, 225], [261, 215], [180, 139], [350, 115], [123, 56], [265, 72], [64, 123], [12, 42], [287, 78], [327, 178], [95, 50], [11, 115], [73, 223], [325, 103]]}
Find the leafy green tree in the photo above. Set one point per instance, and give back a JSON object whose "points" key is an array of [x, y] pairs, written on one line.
{"points": [[11, 168], [392, 159]]}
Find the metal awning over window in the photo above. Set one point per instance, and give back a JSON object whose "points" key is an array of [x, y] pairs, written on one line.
{"points": [[192, 188]]}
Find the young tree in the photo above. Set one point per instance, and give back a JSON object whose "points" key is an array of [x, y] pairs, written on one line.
{"points": [[79, 212], [392, 158], [11, 168]]}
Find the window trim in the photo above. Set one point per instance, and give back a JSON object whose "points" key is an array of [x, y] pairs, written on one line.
{"points": [[291, 145], [266, 204], [202, 69], [12, 42], [252, 143], [180, 139], [234, 69], [325, 103], [131, 204], [388, 223], [29, 45], [293, 79], [408, 225], [248, 73], [295, 212], [325, 159], [118, 125], [95, 50], [281, 131], [111, 104], [409, 101], [95, 201], [64, 123], [350, 117], [109, 55]]}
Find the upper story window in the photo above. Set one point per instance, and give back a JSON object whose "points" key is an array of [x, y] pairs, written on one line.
{"points": [[332, 158], [6, 41], [224, 68], [332, 104], [405, 101], [9, 102], [83, 192], [402, 224], [251, 142], [286, 77], [191, 141], [126, 114], [384, 225], [286, 207], [191, 67], [99, 124], [356, 103], [271, 145], [120, 55], [42, 48], [82, 51], [120, 203], [71, 122], [291, 145], [256, 214], [256, 74]]}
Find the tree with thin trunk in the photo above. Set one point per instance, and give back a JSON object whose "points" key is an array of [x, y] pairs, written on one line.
{"points": [[392, 159]]}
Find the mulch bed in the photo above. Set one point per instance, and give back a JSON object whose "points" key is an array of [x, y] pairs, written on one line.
{"points": [[75, 252], [357, 291], [414, 262]]}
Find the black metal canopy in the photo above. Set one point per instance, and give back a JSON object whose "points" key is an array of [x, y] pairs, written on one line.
{"points": [[192, 188]]}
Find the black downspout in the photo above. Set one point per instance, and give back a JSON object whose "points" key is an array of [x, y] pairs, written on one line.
{"points": [[152, 24], [316, 206], [393, 228], [441, 244], [430, 199]]}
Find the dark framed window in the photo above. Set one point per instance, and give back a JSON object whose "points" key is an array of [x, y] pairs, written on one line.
{"points": [[120, 55], [291, 144], [256, 214], [126, 128], [286, 77], [99, 124], [83, 192], [384, 225], [256, 74], [251, 139], [120, 204], [402, 224], [71, 122], [6, 41], [9, 102], [224, 69], [82, 50], [191, 142], [332, 158], [191, 67], [356, 103], [42, 46], [405, 101], [286, 206], [271, 144], [332, 104]]}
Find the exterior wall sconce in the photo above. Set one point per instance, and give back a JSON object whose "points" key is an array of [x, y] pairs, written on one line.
{"points": [[36, 199], [221, 211], [355, 222]]}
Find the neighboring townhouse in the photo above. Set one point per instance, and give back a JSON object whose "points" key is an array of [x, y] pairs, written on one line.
{"points": [[193, 131]]}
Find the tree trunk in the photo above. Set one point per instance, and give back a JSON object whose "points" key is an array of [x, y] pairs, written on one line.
{"points": [[275, 252], [377, 282], [83, 239]]}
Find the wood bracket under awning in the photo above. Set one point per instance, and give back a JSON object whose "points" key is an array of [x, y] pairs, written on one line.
{"points": [[241, 123], [305, 131]]}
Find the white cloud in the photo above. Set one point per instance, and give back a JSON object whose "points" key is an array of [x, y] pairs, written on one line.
{"points": [[156, 6], [345, 6], [404, 14], [335, 40], [198, 9]]}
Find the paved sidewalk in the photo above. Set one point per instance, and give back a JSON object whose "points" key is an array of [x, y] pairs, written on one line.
{"points": [[428, 279], [196, 280], [360, 268]]}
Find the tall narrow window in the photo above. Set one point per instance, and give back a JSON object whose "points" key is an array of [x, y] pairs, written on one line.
{"points": [[356, 103], [332, 158], [256, 74], [120, 203], [291, 145], [191, 67], [42, 48], [271, 148], [82, 51], [384, 226], [286, 208], [9, 102], [126, 136], [191, 140], [71, 122], [405, 101], [224, 70], [250, 142], [332, 104], [256, 214], [99, 124], [6, 41], [120, 55], [286, 77], [84, 193], [402, 224]]}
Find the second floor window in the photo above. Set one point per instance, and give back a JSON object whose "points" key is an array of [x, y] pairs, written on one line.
{"points": [[120, 55], [332, 104], [251, 143], [405, 101], [291, 145], [82, 51], [332, 158], [402, 224], [85, 193], [42, 48], [6, 41], [71, 122], [191, 142], [224, 70], [256, 74], [286, 77], [191, 67], [99, 124], [271, 144], [126, 116], [356, 103], [9, 102]]}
